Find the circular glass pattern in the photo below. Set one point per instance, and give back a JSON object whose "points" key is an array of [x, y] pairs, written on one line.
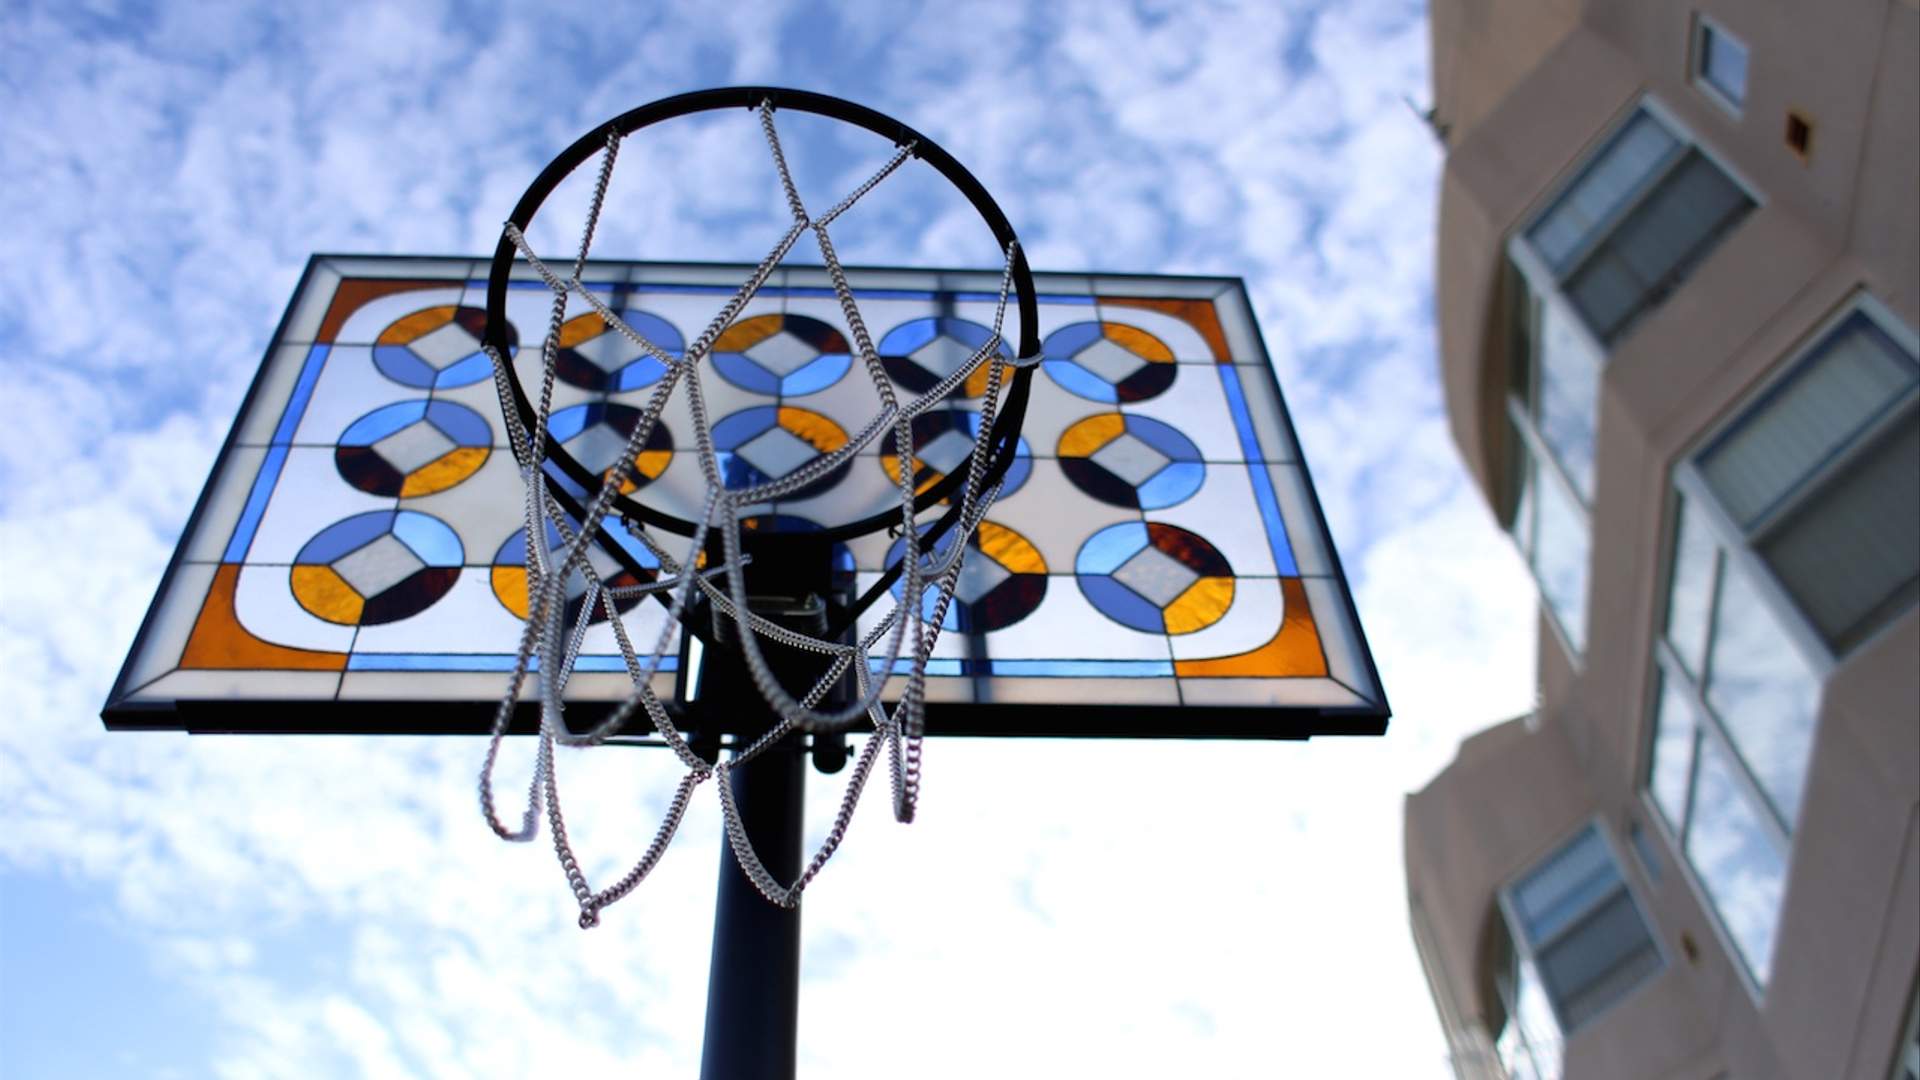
{"points": [[509, 576], [919, 353], [788, 355], [1153, 577], [413, 448], [592, 356], [1003, 580], [1132, 461], [436, 347], [1108, 361], [766, 442], [942, 443], [596, 433], [378, 567]]}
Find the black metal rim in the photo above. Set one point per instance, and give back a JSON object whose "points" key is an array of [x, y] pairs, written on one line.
{"points": [[1004, 437]]}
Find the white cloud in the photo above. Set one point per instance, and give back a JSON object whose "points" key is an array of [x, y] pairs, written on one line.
{"points": [[1151, 909]]}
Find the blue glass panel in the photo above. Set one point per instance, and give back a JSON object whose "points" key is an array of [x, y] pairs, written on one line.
{"points": [[1106, 550], [383, 422], [429, 537], [816, 376], [302, 393], [744, 373], [461, 424], [1172, 484], [1122, 604], [346, 535], [470, 370], [263, 483]]}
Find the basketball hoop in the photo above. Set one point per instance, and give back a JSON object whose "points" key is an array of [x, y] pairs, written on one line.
{"points": [[703, 561]]}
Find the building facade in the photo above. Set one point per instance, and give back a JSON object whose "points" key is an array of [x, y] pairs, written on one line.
{"points": [[1678, 292]]}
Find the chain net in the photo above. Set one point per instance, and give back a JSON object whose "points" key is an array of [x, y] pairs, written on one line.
{"points": [[551, 640]]}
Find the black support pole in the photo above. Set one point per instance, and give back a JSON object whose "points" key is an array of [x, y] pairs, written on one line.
{"points": [[753, 981]]}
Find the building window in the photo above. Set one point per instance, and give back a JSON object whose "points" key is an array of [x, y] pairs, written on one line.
{"points": [[1551, 408], [1581, 944], [1645, 210], [1797, 535], [1719, 64]]}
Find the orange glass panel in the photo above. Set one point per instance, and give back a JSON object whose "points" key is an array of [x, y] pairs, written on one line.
{"points": [[219, 642], [1294, 650]]}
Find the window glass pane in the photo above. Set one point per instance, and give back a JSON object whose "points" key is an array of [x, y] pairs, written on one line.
{"points": [[1764, 693], [1673, 738], [1851, 555], [1723, 63], [1606, 955], [1743, 873], [1565, 887], [1665, 232], [1533, 1020], [1670, 231], [1560, 557], [1855, 374], [1690, 594], [1523, 513], [1569, 388], [1606, 292], [1608, 182]]}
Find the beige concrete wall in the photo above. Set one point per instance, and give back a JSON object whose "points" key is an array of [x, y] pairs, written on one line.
{"points": [[1845, 219]]}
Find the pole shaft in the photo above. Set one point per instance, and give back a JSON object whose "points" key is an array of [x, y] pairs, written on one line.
{"points": [[753, 987], [753, 981]]}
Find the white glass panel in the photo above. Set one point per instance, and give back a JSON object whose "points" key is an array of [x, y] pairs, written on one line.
{"points": [[1274, 693], [1196, 406], [1672, 767], [1339, 636], [1560, 559], [1690, 593], [1764, 693], [1851, 554], [1225, 513], [1802, 423], [165, 636], [1743, 873]]}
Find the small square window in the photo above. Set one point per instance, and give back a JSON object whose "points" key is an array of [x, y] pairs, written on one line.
{"points": [[1720, 64]]}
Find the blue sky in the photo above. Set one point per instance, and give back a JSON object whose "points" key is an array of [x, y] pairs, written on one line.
{"points": [[332, 907]]}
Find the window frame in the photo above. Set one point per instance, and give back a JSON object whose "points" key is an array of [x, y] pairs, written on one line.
{"points": [[1740, 544], [1706, 27], [1535, 267], [1525, 951], [1736, 549]]}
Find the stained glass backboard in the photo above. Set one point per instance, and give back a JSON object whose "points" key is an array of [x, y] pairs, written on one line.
{"points": [[1157, 564]]}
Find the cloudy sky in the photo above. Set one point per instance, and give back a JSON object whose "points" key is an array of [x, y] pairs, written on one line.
{"points": [[333, 907]]}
